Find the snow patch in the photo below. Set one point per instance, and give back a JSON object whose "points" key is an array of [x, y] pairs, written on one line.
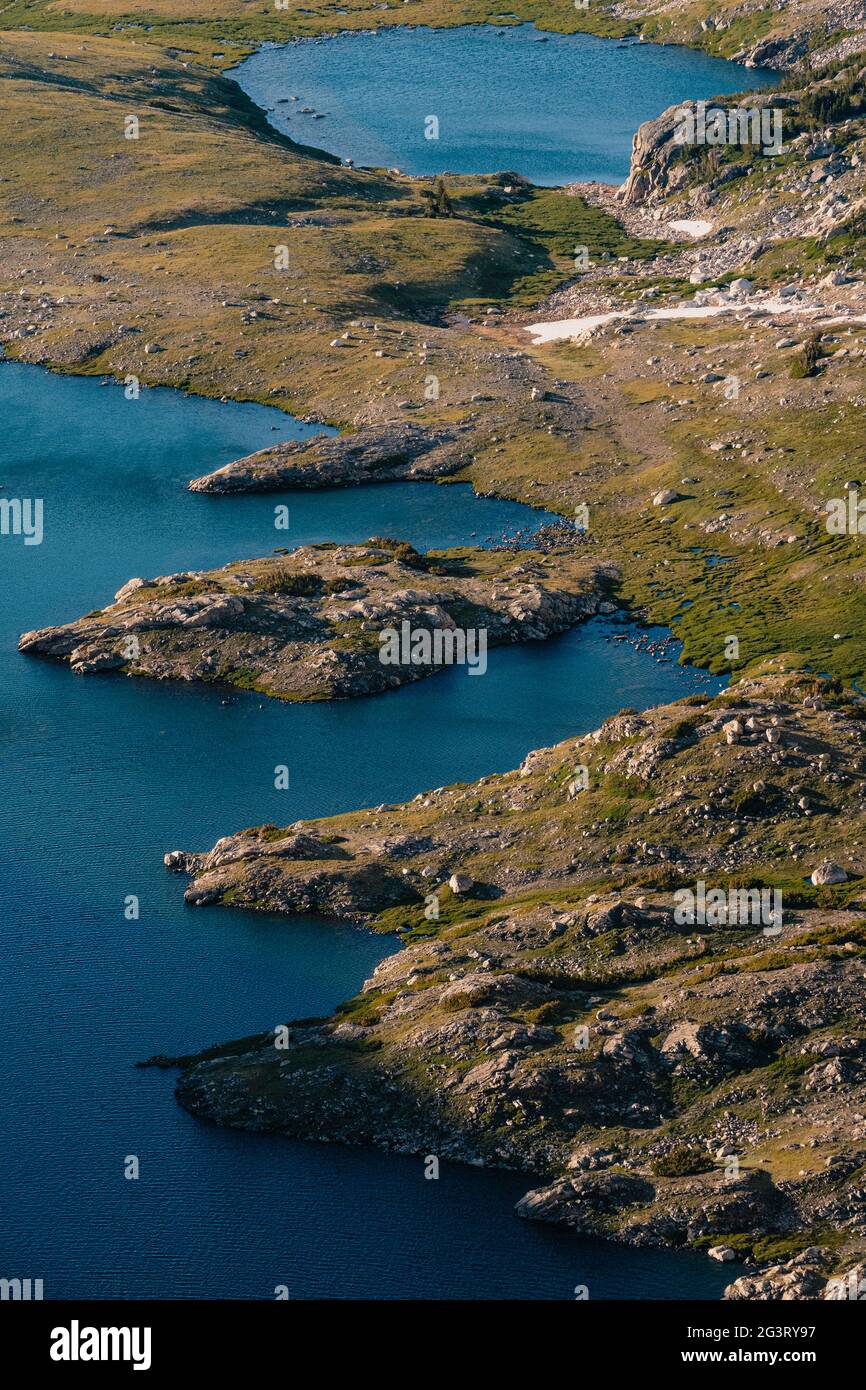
{"points": [[692, 226]]}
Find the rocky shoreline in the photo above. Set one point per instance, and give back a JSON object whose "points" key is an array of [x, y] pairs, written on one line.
{"points": [[670, 1084]]}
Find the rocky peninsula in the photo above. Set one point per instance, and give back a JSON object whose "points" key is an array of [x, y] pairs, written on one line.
{"points": [[375, 454], [665, 1082], [312, 625]]}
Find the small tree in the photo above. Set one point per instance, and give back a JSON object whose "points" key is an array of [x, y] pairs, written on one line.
{"points": [[439, 199], [444, 205], [807, 362]]}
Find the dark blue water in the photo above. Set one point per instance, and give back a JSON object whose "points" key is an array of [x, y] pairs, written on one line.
{"points": [[557, 108], [101, 775]]}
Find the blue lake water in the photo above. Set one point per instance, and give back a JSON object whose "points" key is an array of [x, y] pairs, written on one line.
{"points": [[101, 775], [557, 108]]}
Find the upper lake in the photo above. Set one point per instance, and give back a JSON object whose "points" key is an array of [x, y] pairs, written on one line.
{"points": [[556, 108]]}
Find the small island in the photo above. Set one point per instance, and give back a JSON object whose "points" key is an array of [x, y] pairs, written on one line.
{"points": [[334, 621]]}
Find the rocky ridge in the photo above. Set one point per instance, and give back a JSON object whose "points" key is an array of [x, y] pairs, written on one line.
{"points": [[745, 783], [732, 209], [374, 454]]}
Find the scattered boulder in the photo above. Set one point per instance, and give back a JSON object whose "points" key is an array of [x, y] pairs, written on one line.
{"points": [[803, 1277], [828, 872], [460, 884]]}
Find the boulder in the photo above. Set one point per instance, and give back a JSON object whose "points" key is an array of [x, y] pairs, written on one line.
{"points": [[460, 884], [130, 587], [686, 1037], [828, 872], [657, 166]]}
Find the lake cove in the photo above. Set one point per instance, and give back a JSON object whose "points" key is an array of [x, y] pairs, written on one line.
{"points": [[144, 766], [556, 108]]}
